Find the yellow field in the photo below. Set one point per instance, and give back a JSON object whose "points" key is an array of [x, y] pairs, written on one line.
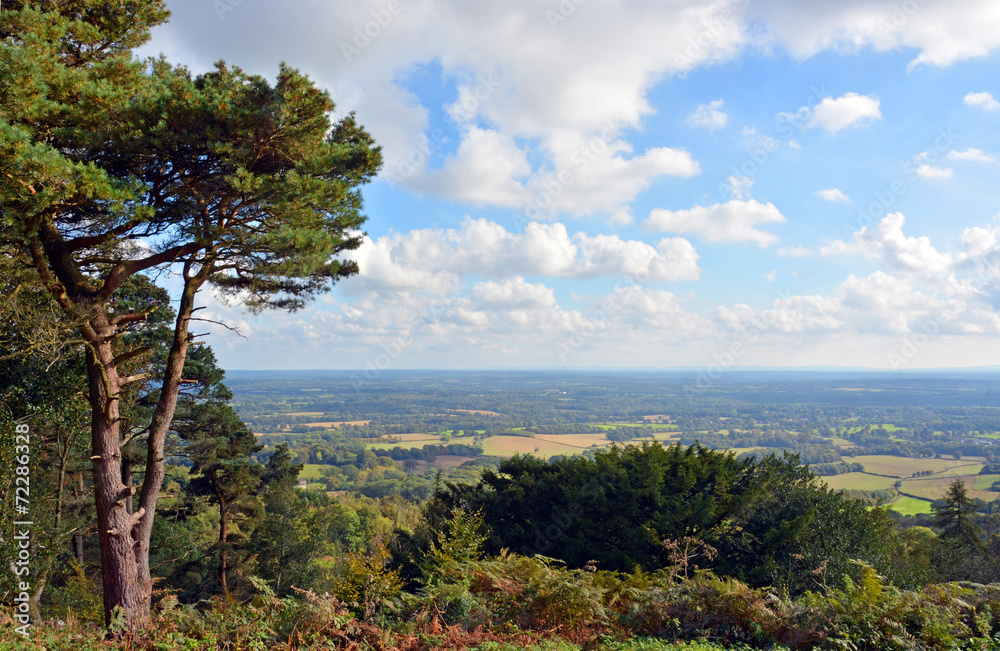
{"points": [[903, 467], [841, 442], [303, 413], [858, 481], [450, 461], [475, 411], [418, 436], [505, 446], [666, 436], [582, 441]]}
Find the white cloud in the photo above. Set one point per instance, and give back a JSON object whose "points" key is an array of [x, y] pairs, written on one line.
{"points": [[970, 155], [794, 252], [739, 186], [488, 168], [708, 116], [886, 244], [832, 194], [771, 275], [983, 100], [941, 33], [732, 221], [926, 171], [848, 110], [435, 260]]}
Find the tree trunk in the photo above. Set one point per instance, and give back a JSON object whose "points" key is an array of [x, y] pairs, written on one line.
{"points": [[122, 587], [160, 424], [78, 538], [223, 534]]}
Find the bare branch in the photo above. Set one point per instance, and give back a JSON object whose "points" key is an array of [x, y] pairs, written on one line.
{"points": [[227, 327]]}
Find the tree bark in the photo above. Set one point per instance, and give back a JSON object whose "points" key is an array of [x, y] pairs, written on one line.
{"points": [[78, 538], [122, 586], [160, 424], [223, 534]]}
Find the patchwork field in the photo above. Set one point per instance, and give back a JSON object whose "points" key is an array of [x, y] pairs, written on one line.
{"points": [[905, 467], [934, 488], [482, 412], [505, 446], [336, 423], [858, 481], [582, 441]]}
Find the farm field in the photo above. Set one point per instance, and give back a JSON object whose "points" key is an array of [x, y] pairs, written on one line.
{"points": [[505, 446], [903, 467], [335, 423], [858, 481], [582, 441], [983, 482], [481, 412], [312, 471], [934, 488], [910, 506]]}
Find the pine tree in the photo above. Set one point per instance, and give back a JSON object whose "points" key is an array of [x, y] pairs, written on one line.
{"points": [[112, 167]]}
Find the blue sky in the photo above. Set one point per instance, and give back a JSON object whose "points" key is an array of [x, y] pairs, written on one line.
{"points": [[619, 183]]}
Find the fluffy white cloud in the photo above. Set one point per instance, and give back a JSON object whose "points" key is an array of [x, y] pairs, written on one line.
{"points": [[848, 110], [708, 116], [926, 171], [970, 155], [984, 101], [436, 260], [832, 194], [886, 244], [940, 33], [732, 221], [487, 169]]}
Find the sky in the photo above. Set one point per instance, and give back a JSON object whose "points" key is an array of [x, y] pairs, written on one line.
{"points": [[642, 184]]}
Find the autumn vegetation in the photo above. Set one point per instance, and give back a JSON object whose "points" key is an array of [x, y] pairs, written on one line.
{"points": [[160, 521]]}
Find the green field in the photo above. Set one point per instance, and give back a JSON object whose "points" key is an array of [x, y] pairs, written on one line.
{"points": [[910, 506], [858, 481], [312, 471], [983, 482]]}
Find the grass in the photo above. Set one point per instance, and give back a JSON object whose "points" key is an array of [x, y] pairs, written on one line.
{"points": [[311, 471], [910, 506], [576, 440], [934, 489], [983, 482], [882, 464], [858, 481], [505, 446]]}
